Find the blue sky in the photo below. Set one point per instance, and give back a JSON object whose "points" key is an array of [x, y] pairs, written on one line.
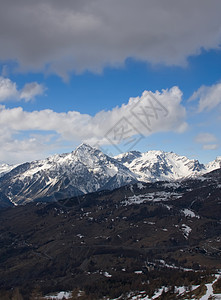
{"points": [[75, 72]]}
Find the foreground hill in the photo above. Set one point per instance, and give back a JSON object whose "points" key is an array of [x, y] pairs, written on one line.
{"points": [[87, 170], [137, 238]]}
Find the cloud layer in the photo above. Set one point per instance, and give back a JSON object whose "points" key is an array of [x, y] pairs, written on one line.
{"points": [[63, 36], [145, 115]]}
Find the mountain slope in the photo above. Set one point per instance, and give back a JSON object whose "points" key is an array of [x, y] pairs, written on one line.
{"points": [[139, 237]]}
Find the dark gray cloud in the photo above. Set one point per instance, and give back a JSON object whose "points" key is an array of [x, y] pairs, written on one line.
{"points": [[62, 36]]}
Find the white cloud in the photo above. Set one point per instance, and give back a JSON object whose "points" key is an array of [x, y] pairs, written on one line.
{"points": [[31, 90], [209, 97], [148, 114], [210, 147], [208, 141], [205, 137], [83, 35], [9, 90], [15, 150]]}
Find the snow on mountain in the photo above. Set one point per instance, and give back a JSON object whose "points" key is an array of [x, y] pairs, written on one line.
{"points": [[213, 165], [160, 165], [66, 175], [128, 157], [87, 169], [5, 168]]}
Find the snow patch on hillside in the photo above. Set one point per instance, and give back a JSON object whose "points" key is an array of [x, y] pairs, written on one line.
{"points": [[186, 230], [154, 196], [59, 296], [189, 213]]}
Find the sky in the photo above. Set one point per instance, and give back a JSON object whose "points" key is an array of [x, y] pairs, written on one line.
{"points": [[120, 75]]}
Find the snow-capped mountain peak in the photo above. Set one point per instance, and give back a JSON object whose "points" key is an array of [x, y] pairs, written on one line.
{"points": [[215, 164], [84, 170], [128, 157], [159, 165], [84, 147], [89, 155], [87, 169], [5, 168]]}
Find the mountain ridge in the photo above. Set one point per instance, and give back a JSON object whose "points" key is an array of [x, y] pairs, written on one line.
{"points": [[87, 169], [160, 165], [82, 171]]}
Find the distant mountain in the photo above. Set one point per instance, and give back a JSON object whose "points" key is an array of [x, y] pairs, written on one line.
{"points": [[160, 165], [82, 171], [213, 165], [5, 168], [87, 170]]}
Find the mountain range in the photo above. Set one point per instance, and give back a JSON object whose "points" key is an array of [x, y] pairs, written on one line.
{"points": [[87, 170]]}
